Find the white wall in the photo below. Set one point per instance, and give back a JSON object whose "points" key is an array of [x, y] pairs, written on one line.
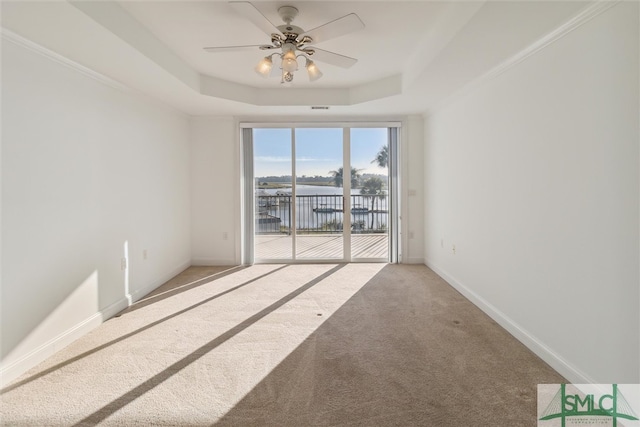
{"points": [[90, 174], [215, 191], [534, 178]]}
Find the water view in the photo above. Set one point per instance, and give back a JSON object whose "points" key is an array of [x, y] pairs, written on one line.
{"points": [[319, 209]]}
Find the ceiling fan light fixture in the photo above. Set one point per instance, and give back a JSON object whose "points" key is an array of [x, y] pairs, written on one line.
{"points": [[313, 71], [289, 63], [290, 42], [264, 66]]}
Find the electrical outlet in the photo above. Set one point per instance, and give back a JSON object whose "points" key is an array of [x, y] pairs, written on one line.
{"points": [[123, 264]]}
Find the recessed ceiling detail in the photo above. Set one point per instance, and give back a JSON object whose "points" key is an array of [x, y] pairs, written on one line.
{"points": [[116, 19], [411, 55]]}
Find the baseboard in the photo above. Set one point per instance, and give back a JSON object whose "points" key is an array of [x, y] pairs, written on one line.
{"points": [[207, 262], [19, 366], [144, 291], [562, 366], [412, 261]]}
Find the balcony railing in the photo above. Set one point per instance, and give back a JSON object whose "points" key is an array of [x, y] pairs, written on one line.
{"points": [[321, 214]]}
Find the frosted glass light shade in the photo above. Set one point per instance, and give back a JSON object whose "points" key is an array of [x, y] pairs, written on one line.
{"points": [[313, 71], [264, 66], [289, 63]]}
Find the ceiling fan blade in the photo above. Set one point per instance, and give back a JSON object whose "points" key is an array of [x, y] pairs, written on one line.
{"points": [[231, 48], [332, 58], [336, 28], [250, 12]]}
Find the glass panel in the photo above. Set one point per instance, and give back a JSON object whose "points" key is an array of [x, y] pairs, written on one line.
{"points": [[272, 171], [319, 200], [369, 199]]}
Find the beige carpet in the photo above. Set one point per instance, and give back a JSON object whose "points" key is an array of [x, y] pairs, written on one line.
{"points": [[297, 345]]}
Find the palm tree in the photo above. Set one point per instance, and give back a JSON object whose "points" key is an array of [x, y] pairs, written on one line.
{"points": [[382, 158], [337, 177], [373, 187]]}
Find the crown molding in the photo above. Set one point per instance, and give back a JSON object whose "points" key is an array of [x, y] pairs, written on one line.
{"points": [[18, 40], [594, 9]]}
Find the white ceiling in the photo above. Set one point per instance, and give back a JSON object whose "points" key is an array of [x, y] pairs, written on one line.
{"points": [[382, 47], [411, 55]]}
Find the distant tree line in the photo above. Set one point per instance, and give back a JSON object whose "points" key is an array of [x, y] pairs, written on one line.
{"points": [[317, 179], [370, 184]]}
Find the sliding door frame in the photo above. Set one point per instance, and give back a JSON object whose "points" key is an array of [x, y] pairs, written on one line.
{"points": [[248, 188]]}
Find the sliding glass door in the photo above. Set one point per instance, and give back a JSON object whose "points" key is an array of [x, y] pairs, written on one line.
{"points": [[319, 194], [370, 195], [273, 206]]}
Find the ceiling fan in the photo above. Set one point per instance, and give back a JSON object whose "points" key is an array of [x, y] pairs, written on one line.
{"points": [[292, 42]]}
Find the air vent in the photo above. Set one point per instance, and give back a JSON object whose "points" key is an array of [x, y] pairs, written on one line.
{"points": [[319, 107]]}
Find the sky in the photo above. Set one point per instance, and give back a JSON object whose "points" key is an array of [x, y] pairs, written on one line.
{"points": [[318, 151]]}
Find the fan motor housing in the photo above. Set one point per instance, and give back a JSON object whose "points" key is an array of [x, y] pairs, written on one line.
{"points": [[290, 31]]}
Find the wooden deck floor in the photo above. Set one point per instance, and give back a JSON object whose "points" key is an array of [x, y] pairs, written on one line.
{"points": [[321, 246]]}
